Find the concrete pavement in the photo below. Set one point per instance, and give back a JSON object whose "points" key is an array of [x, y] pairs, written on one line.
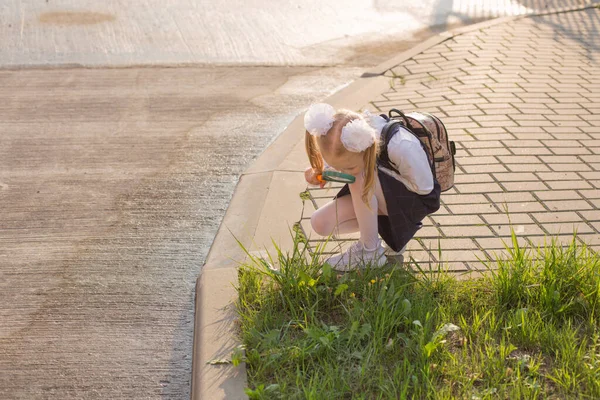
{"points": [[520, 98], [233, 32], [113, 183]]}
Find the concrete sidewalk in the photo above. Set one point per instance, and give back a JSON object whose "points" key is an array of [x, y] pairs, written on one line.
{"points": [[521, 98]]}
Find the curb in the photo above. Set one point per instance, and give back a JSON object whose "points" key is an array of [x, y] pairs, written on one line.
{"points": [[215, 326]]}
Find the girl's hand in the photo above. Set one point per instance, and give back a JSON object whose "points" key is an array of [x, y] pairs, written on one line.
{"points": [[311, 177]]}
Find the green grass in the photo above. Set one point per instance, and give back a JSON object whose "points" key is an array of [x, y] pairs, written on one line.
{"points": [[526, 330]]}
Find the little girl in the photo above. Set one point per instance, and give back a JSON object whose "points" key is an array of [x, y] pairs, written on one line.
{"points": [[393, 191]]}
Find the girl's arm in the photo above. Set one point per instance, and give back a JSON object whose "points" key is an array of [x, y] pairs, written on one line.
{"points": [[411, 161]]}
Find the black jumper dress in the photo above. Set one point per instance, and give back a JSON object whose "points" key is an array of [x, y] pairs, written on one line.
{"points": [[406, 209]]}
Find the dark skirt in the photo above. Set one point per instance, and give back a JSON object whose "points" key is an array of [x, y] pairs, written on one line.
{"points": [[406, 210]]}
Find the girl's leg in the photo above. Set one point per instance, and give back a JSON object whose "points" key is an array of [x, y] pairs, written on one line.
{"points": [[336, 217], [366, 216], [368, 249], [339, 216]]}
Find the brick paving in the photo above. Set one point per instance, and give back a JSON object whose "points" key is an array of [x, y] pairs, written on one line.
{"points": [[522, 101]]}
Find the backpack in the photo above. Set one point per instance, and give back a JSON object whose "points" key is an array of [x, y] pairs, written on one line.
{"points": [[434, 139]]}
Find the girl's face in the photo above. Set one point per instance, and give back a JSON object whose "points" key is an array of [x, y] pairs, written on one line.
{"points": [[347, 162]]}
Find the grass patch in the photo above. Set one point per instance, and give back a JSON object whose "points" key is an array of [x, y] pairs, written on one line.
{"points": [[528, 329]]}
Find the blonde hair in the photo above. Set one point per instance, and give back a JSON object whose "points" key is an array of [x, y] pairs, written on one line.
{"points": [[329, 142]]}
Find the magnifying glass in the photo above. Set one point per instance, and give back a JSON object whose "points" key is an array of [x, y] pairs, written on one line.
{"points": [[334, 176]]}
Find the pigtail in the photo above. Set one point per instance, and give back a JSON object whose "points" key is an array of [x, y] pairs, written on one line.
{"points": [[314, 155], [370, 161]]}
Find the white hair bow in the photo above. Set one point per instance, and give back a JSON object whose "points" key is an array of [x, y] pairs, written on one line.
{"points": [[318, 120], [357, 135]]}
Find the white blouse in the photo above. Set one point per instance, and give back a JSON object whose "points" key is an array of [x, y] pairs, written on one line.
{"points": [[408, 157]]}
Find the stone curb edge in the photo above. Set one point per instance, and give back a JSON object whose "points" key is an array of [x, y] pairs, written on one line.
{"points": [[228, 380]]}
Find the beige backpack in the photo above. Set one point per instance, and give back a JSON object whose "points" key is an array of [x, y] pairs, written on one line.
{"points": [[433, 136]]}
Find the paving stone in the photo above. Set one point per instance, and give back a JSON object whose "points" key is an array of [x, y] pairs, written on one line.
{"points": [[591, 215], [496, 151], [519, 229], [498, 243], [485, 168], [563, 205], [528, 167], [523, 143], [546, 241], [570, 167], [467, 231], [449, 199], [558, 195], [477, 160], [562, 176], [575, 184], [571, 150], [481, 266], [565, 216], [472, 178], [489, 187], [536, 98], [568, 121], [501, 98], [528, 150], [503, 219], [428, 232], [521, 207], [446, 244], [500, 124], [533, 123], [491, 133], [521, 186], [461, 255], [480, 208], [526, 106], [567, 228], [531, 135], [591, 144], [592, 240], [515, 176], [454, 220], [511, 197], [590, 158], [419, 256], [528, 159], [560, 159], [484, 144]]}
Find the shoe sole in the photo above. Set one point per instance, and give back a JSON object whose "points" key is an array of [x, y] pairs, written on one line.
{"points": [[381, 262]]}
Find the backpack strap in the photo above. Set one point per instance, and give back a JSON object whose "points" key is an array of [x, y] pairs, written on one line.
{"points": [[387, 133]]}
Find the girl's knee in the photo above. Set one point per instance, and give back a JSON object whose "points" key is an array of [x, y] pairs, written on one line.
{"points": [[320, 225]]}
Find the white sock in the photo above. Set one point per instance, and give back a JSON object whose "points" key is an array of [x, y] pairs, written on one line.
{"points": [[366, 218]]}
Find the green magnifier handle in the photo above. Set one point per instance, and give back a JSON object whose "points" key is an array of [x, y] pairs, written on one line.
{"points": [[334, 176]]}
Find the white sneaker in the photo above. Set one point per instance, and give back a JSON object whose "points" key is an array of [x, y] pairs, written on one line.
{"points": [[357, 256], [394, 257], [391, 252]]}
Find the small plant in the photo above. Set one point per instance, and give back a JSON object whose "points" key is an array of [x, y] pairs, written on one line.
{"points": [[396, 78]]}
